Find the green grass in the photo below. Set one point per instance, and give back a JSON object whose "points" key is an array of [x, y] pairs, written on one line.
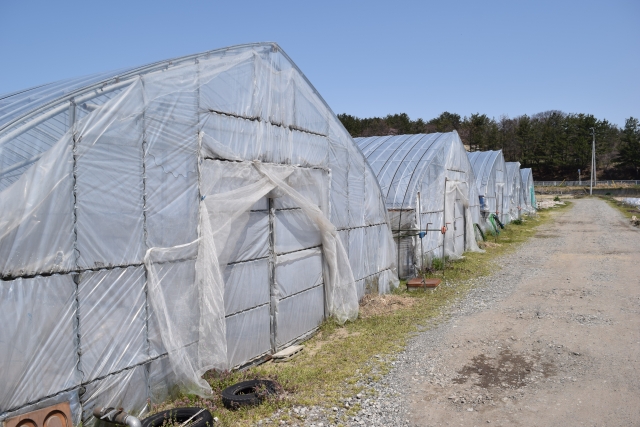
{"points": [[335, 359]]}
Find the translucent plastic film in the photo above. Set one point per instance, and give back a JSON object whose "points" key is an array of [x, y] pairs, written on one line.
{"points": [[412, 170], [149, 219]]}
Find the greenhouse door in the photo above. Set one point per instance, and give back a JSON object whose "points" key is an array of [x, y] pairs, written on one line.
{"points": [[274, 278], [458, 225]]}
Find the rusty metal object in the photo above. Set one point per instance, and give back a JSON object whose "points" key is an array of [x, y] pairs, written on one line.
{"points": [[53, 416], [419, 282]]}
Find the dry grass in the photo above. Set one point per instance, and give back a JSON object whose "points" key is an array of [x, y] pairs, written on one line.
{"points": [[381, 305], [337, 357]]}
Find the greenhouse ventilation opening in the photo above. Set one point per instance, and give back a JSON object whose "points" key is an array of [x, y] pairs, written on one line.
{"points": [[165, 220], [491, 179], [429, 174]]}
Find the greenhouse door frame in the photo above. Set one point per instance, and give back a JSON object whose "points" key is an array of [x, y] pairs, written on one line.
{"points": [[274, 257]]}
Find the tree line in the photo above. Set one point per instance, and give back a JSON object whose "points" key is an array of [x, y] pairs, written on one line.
{"points": [[553, 143]]}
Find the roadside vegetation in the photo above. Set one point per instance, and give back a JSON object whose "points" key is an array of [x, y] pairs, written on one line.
{"points": [[625, 209], [338, 357]]}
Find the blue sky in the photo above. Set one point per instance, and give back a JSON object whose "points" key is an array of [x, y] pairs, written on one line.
{"points": [[366, 58]]}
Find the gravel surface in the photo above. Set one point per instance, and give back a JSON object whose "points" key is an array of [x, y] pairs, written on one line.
{"points": [[551, 338]]}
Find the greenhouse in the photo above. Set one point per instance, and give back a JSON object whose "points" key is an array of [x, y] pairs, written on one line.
{"points": [[429, 174], [514, 189], [490, 173], [158, 222], [528, 190]]}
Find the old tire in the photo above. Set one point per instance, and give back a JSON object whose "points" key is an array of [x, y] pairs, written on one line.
{"points": [[248, 393], [180, 415]]}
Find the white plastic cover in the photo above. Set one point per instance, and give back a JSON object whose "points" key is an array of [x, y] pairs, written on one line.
{"points": [[491, 181], [412, 170], [192, 217], [514, 188], [528, 190]]}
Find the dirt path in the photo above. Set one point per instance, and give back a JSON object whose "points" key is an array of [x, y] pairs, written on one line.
{"points": [[561, 347]]}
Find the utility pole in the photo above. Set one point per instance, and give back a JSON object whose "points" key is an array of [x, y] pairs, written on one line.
{"points": [[593, 161]]}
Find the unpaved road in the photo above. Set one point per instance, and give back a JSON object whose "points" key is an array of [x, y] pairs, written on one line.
{"points": [[560, 347], [552, 338]]}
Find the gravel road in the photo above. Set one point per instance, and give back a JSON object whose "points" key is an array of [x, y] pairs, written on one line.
{"points": [[551, 339]]}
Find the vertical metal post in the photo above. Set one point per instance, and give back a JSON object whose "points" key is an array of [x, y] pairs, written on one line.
{"points": [[593, 161], [272, 275], [419, 231], [444, 224]]}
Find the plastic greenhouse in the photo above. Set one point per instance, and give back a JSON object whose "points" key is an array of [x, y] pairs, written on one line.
{"points": [[528, 190], [162, 221], [429, 174], [514, 189], [490, 172]]}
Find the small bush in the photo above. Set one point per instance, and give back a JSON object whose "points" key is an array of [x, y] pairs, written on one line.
{"points": [[517, 221], [556, 199]]}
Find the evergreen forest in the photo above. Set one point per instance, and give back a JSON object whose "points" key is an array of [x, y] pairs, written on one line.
{"points": [[555, 144]]}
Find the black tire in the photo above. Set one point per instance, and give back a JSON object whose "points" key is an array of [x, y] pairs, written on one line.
{"points": [[248, 393], [180, 415]]}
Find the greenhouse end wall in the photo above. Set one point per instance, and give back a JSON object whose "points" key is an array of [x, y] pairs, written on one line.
{"points": [[429, 174], [195, 214]]}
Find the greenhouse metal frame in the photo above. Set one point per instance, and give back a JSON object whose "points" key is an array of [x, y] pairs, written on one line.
{"points": [[490, 173], [158, 222], [430, 174]]}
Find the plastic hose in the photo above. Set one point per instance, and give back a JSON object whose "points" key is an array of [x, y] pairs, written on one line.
{"points": [[484, 239], [498, 221], [493, 223]]}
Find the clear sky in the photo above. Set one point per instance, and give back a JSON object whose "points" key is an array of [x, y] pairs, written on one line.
{"points": [[366, 58]]}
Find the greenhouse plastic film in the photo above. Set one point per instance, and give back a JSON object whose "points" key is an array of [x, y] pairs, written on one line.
{"points": [[29, 244], [123, 389], [153, 208], [410, 165], [39, 354], [289, 279], [246, 285], [109, 184], [112, 303]]}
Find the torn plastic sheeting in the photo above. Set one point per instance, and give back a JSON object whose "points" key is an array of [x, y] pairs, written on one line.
{"points": [[341, 297], [222, 213]]}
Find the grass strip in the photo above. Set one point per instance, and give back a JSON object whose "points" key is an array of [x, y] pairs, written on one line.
{"points": [[337, 357], [624, 208]]}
